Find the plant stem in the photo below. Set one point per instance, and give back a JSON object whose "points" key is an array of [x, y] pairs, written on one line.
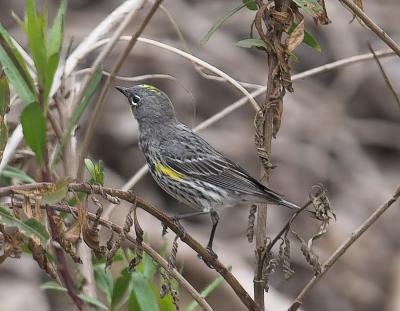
{"points": [[62, 266]]}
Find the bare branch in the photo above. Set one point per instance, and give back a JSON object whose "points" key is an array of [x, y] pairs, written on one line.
{"points": [[371, 25], [343, 248], [385, 76]]}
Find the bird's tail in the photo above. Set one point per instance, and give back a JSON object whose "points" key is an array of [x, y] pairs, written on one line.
{"points": [[288, 204]]}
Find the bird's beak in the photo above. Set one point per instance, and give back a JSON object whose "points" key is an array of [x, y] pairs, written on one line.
{"points": [[123, 90]]}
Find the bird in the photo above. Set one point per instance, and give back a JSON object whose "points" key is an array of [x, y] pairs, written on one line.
{"points": [[186, 166]]}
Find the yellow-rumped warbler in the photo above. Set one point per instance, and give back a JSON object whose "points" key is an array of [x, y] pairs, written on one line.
{"points": [[185, 165]]}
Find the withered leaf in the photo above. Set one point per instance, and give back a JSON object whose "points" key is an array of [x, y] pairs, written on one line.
{"points": [[12, 244], [73, 233], [40, 256], [296, 37], [27, 207]]}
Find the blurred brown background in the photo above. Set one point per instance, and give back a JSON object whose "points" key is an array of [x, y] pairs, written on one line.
{"points": [[340, 128]]}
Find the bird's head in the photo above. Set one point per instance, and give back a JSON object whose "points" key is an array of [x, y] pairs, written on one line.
{"points": [[148, 104]]}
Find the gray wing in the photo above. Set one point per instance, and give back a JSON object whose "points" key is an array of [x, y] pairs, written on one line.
{"points": [[196, 159]]}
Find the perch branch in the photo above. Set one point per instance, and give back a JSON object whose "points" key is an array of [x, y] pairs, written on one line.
{"points": [[147, 248], [185, 237]]}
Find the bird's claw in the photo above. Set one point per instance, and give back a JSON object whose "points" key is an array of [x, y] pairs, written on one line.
{"points": [[182, 233], [212, 254]]}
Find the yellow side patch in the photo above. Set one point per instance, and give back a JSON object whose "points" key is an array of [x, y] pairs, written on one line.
{"points": [[151, 88], [165, 170]]}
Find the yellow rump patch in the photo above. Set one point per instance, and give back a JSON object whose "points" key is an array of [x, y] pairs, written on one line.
{"points": [[151, 88], [165, 170]]}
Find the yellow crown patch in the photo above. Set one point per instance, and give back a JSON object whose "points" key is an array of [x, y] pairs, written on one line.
{"points": [[150, 88]]}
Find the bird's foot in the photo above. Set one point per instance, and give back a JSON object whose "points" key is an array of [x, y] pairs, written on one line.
{"points": [[213, 255], [176, 222], [182, 233]]}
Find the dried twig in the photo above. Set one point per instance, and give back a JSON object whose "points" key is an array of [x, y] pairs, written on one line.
{"points": [[385, 76], [371, 25], [343, 248]]}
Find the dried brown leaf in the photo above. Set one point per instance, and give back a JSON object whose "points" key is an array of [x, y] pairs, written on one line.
{"points": [[270, 264], [322, 17], [139, 238], [251, 221], [66, 238], [27, 207], [12, 243], [39, 254], [73, 233], [38, 210], [296, 37], [284, 256]]}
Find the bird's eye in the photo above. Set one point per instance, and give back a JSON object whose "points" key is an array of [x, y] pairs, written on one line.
{"points": [[135, 100]]}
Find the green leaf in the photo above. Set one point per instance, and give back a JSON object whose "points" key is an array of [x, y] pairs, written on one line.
{"points": [[77, 114], [165, 303], [4, 106], [13, 172], [54, 45], [308, 38], [35, 27], [251, 5], [56, 195], [252, 42], [104, 280], [311, 7], [205, 292], [93, 301], [150, 268], [120, 287], [222, 20], [15, 68], [7, 43], [147, 267], [141, 297], [53, 286], [96, 171], [34, 129], [30, 228]]}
